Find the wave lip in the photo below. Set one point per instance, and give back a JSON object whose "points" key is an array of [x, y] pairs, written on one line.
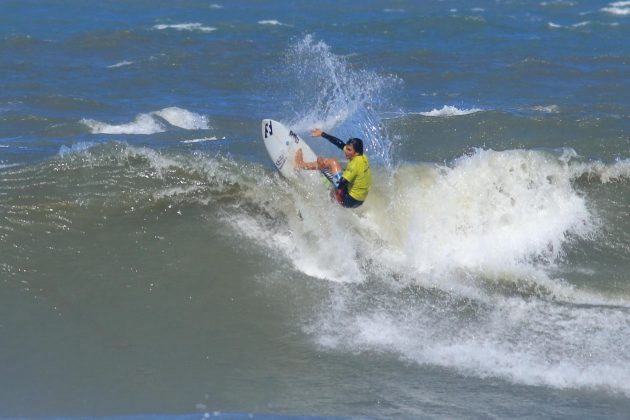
{"points": [[152, 123], [450, 111]]}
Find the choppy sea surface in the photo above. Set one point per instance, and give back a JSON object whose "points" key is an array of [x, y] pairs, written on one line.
{"points": [[152, 260]]}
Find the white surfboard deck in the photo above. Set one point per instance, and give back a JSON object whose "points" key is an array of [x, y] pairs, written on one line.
{"points": [[282, 144]]}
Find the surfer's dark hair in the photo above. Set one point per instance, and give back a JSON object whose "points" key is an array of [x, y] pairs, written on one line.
{"points": [[357, 145]]}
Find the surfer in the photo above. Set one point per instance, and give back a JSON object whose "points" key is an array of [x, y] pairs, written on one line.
{"points": [[351, 186]]}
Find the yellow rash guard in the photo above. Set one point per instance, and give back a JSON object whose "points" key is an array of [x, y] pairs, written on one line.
{"points": [[359, 176]]}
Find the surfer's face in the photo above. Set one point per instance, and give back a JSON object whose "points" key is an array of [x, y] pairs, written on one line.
{"points": [[349, 151]]}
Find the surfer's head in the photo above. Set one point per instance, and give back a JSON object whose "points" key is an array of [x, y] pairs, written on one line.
{"points": [[356, 144]]}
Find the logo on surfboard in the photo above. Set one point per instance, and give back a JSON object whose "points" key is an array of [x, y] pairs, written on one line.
{"points": [[268, 129]]}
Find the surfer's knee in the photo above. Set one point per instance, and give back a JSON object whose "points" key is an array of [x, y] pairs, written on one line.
{"points": [[328, 163], [322, 163]]}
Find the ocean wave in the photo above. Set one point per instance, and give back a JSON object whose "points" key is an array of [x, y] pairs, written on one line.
{"points": [[489, 215], [152, 122], [449, 111], [192, 27], [444, 265]]}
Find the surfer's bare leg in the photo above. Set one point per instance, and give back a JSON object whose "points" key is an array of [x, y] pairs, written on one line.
{"points": [[330, 164], [300, 164]]}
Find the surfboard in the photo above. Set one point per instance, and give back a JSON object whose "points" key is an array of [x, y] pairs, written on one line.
{"points": [[282, 144]]}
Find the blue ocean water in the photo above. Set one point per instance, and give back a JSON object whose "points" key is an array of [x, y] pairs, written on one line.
{"points": [[153, 261]]}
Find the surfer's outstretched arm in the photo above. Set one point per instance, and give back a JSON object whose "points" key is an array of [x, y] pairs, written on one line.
{"points": [[334, 140]]}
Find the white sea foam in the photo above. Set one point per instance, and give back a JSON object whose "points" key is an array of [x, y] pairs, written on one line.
{"points": [[272, 22], [620, 8], [522, 341], [493, 215], [8, 165], [549, 109], [450, 111], [616, 171], [193, 27], [143, 124], [558, 3], [504, 217], [153, 122], [490, 213], [201, 140], [489, 220], [184, 119], [575, 25], [120, 64]]}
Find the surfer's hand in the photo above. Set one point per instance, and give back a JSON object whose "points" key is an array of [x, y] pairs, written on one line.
{"points": [[317, 132]]}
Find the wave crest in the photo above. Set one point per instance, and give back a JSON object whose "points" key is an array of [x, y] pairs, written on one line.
{"points": [[153, 122]]}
